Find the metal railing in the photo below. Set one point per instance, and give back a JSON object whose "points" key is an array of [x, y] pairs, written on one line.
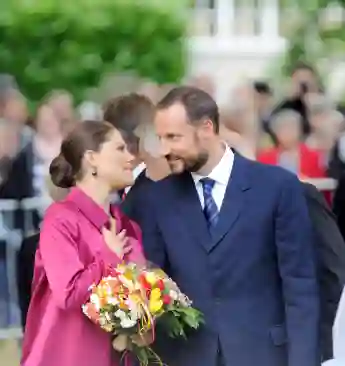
{"points": [[11, 237]]}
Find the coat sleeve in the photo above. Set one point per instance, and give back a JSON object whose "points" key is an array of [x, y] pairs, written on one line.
{"points": [[297, 267], [153, 241], [69, 279]]}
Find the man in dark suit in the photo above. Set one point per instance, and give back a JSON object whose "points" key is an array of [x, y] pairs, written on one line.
{"points": [[330, 250], [237, 238]]}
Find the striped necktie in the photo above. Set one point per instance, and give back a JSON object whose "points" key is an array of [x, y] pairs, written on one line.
{"points": [[210, 209]]}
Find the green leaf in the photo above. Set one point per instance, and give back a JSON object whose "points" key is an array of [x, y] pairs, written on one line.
{"points": [[48, 44]]}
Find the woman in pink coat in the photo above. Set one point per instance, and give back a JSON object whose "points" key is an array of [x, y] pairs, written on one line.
{"points": [[82, 237]]}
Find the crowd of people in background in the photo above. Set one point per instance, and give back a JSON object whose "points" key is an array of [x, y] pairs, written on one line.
{"points": [[303, 133]]}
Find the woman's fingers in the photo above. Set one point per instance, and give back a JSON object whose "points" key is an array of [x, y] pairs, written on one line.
{"points": [[113, 225]]}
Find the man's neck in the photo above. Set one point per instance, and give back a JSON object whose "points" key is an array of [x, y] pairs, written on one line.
{"points": [[214, 158]]}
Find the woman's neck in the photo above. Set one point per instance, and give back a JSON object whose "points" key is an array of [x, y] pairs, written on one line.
{"points": [[95, 190], [289, 149]]}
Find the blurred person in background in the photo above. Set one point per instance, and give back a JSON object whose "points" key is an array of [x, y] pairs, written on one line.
{"points": [[150, 90], [62, 103], [326, 124], [234, 131], [264, 104], [9, 146], [26, 257], [304, 81], [14, 109], [339, 204], [336, 166], [291, 153], [133, 115], [27, 176], [90, 110], [203, 82]]}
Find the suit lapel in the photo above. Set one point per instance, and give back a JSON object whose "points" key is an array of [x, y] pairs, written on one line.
{"points": [[190, 213], [233, 201], [189, 209]]}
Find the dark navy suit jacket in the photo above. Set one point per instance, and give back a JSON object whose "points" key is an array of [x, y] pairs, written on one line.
{"points": [[254, 278]]}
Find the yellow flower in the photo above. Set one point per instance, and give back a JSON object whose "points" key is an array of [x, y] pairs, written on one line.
{"points": [[128, 274], [151, 278], [155, 303]]}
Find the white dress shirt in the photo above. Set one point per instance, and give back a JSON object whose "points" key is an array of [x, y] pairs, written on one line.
{"points": [[221, 175], [136, 172]]}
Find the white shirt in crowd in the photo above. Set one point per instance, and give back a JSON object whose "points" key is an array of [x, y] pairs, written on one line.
{"points": [[136, 172]]}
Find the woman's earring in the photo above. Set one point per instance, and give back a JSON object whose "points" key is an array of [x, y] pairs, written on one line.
{"points": [[94, 173]]}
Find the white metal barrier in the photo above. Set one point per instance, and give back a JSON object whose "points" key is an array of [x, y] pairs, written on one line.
{"points": [[11, 236], [323, 184]]}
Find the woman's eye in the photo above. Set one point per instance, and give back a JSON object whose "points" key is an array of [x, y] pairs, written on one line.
{"points": [[121, 148]]}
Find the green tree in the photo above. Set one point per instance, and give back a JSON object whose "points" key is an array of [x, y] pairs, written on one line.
{"points": [[312, 38], [48, 44]]}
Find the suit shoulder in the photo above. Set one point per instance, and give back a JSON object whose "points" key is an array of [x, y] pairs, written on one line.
{"points": [[272, 174]]}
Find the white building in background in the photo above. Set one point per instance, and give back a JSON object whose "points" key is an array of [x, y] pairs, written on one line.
{"points": [[233, 40]]}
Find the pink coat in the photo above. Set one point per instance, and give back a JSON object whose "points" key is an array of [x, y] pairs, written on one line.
{"points": [[71, 257]]}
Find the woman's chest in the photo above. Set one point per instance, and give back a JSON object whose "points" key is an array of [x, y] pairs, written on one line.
{"points": [[91, 244]]}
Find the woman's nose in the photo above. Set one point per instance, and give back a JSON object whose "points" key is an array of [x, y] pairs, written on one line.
{"points": [[130, 157]]}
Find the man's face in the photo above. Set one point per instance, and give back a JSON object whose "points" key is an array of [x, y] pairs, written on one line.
{"points": [[183, 145]]}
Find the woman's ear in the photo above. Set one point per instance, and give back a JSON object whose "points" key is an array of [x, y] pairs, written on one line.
{"points": [[90, 160]]}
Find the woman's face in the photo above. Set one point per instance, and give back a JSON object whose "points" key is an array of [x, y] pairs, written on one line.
{"points": [[9, 141], [47, 123], [62, 106], [113, 163], [288, 134], [15, 110]]}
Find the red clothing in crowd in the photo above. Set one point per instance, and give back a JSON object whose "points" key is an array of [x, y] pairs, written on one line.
{"points": [[309, 161]]}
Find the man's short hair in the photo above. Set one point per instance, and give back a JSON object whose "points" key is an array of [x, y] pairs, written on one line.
{"points": [[127, 113], [198, 104]]}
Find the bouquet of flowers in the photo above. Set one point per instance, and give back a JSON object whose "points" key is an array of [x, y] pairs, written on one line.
{"points": [[131, 300]]}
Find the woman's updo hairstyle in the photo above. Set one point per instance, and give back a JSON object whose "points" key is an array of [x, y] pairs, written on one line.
{"points": [[66, 168]]}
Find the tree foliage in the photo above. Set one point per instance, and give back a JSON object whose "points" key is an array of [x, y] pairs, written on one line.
{"points": [[314, 38], [49, 44]]}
